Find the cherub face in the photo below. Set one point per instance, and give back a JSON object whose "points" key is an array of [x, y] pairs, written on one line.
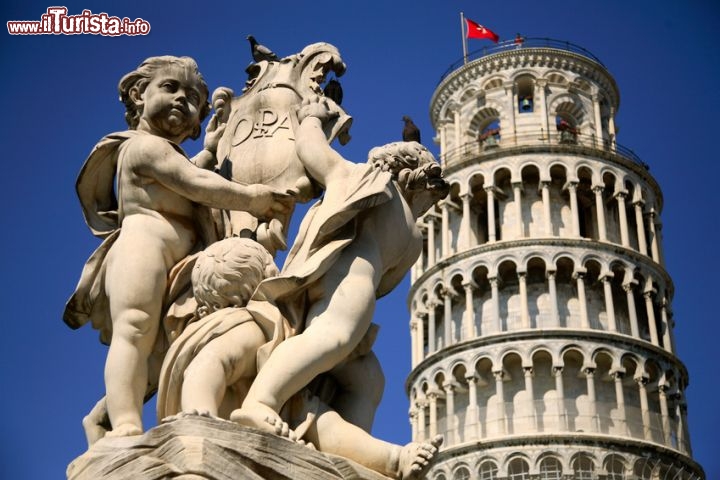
{"points": [[171, 103]]}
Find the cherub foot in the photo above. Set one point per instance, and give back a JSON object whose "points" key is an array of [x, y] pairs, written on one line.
{"points": [[190, 413], [125, 430], [415, 458], [264, 418], [94, 430]]}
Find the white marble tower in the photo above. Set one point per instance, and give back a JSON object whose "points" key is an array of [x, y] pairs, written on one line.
{"points": [[541, 319]]}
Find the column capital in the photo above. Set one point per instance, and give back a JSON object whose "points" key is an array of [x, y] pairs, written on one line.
{"points": [[621, 194], [649, 293], [450, 386], [640, 202], [469, 285], [617, 374], [517, 184], [472, 378], [422, 314], [550, 273], [598, 189], [589, 371], [466, 196], [494, 281], [571, 185], [641, 380], [521, 274], [528, 371], [499, 375], [629, 286], [448, 292], [557, 370], [579, 273]]}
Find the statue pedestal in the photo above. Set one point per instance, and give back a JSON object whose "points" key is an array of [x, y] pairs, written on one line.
{"points": [[196, 448]]}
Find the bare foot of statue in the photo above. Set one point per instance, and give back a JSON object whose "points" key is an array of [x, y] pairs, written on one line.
{"points": [[125, 430], [264, 418], [415, 458]]}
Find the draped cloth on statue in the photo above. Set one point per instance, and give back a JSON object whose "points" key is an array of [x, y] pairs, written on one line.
{"points": [[278, 305], [103, 214]]}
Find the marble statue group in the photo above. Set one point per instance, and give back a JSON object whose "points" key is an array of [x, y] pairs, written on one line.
{"points": [[184, 287]]}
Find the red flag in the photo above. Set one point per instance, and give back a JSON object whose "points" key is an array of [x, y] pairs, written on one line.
{"points": [[475, 30]]}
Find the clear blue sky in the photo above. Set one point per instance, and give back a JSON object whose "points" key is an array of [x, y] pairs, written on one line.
{"points": [[59, 95]]}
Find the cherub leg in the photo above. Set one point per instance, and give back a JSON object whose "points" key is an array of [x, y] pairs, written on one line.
{"points": [[361, 384], [336, 325], [134, 284], [221, 363], [332, 434]]}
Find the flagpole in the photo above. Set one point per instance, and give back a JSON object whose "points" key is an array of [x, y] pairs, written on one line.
{"points": [[464, 37]]}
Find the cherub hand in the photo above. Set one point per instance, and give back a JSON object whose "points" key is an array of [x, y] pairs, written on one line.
{"points": [[318, 107], [221, 99], [267, 203]]}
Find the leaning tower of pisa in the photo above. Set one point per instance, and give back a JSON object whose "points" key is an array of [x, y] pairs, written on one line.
{"points": [[541, 310]]}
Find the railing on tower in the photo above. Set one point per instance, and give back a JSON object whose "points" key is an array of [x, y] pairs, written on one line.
{"points": [[511, 45], [560, 140]]}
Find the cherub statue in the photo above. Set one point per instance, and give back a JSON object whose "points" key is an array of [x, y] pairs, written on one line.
{"points": [[152, 224], [354, 246], [213, 361]]}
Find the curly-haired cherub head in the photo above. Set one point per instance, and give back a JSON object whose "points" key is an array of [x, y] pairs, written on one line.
{"points": [[227, 272], [139, 79], [412, 165]]}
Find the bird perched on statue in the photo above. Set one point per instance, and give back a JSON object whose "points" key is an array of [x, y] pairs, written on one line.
{"points": [[261, 52], [411, 133], [333, 90]]}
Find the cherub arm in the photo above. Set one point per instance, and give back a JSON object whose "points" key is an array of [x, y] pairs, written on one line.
{"points": [[155, 158], [323, 163]]}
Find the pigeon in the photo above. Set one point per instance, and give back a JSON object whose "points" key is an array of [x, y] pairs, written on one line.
{"points": [[261, 52], [411, 133], [333, 90]]}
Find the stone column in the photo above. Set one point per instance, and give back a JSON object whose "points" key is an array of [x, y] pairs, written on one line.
{"points": [[680, 412], [432, 341], [560, 393], [495, 298], [465, 221], [524, 314], [443, 143], [632, 310], [458, 142], [421, 405], [579, 276], [469, 287], [540, 84], [451, 418], [492, 235], [652, 324], [611, 128], [547, 218], [668, 342], [592, 398], [512, 110], [654, 244], [447, 317], [642, 384], [598, 119], [500, 391], [528, 371], [665, 415], [609, 305], [640, 223], [600, 209], [472, 413], [622, 212], [430, 240], [574, 210], [413, 342], [432, 396], [552, 290], [517, 200], [420, 354], [413, 414], [445, 229], [620, 397]]}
